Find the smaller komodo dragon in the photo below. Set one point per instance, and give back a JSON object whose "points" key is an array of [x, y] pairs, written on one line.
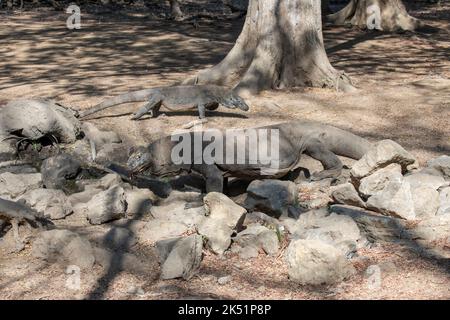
{"points": [[319, 141], [176, 98], [18, 212]]}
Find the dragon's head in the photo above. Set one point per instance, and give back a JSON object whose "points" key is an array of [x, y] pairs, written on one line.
{"points": [[154, 159], [233, 100]]}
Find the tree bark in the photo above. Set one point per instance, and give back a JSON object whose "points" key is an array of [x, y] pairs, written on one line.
{"points": [[362, 13], [280, 46], [175, 10]]}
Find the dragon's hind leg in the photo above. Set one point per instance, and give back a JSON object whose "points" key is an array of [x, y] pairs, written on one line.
{"points": [[151, 107], [330, 162]]}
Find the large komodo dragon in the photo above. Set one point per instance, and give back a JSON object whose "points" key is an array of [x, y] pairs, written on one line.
{"points": [[321, 142], [176, 98], [17, 212]]}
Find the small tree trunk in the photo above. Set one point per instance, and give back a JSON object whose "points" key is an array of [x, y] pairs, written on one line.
{"points": [[280, 46], [392, 15], [175, 10]]}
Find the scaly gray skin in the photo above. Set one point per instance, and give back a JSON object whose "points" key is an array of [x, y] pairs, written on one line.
{"points": [[176, 98], [319, 141], [17, 212]]}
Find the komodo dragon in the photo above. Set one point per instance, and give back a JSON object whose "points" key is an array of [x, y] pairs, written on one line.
{"points": [[176, 98], [17, 212], [321, 142]]}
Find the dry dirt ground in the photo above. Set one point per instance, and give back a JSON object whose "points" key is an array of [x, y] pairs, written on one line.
{"points": [[404, 95]]}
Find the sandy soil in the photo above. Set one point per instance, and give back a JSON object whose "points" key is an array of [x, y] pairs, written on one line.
{"points": [[404, 95]]}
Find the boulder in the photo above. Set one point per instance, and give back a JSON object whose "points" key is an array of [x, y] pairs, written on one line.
{"points": [[178, 212], [13, 185], [436, 228], [271, 196], [346, 194], [441, 165], [377, 181], [223, 218], [426, 201], [47, 118], [106, 206], [374, 226], [313, 262], [7, 150], [183, 259], [52, 203], [337, 230], [254, 238], [64, 246], [58, 169], [314, 195], [444, 201], [139, 201], [381, 155], [419, 179], [394, 200], [157, 229]]}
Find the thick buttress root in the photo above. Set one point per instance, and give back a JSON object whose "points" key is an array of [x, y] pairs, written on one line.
{"points": [[383, 15]]}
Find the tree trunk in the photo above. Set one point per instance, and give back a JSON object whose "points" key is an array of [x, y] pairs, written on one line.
{"points": [[386, 15], [280, 46], [175, 10]]}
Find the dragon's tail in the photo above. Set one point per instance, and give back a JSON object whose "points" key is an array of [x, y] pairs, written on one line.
{"points": [[135, 96]]}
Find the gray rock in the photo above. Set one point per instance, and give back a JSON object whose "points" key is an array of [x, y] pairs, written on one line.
{"points": [[64, 246], [381, 155], [313, 262], [184, 196], [271, 196], [13, 185], [164, 247], [139, 201], [248, 252], [58, 169], [347, 194], [157, 229], [395, 200], [444, 201], [7, 150], [377, 181], [184, 259], [177, 212], [433, 229], [426, 201], [314, 195], [420, 179], [52, 203], [338, 230], [223, 218], [48, 118], [262, 219], [374, 226], [106, 206], [442, 165], [255, 237]]}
